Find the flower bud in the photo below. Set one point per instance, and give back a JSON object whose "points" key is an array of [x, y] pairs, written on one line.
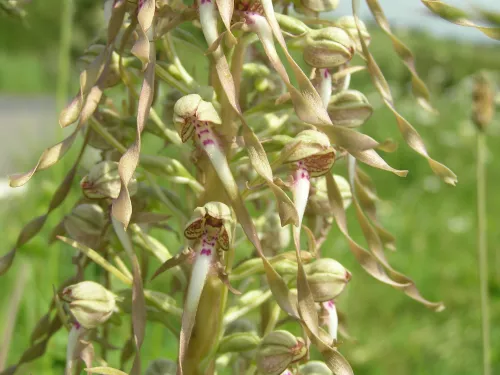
{"points": [[328, 47], [241, 325], [349, 25], [327, 278], [253, 69], [320, 5], [286, 267], [213, 216], [103, 181], [161, 367], [189, 108], [90, 303], [278, 350], [314, 150], [314, 368], [349, 108], [84, 224], [292, 25], [274, 237], [319, 203], [239, 342]]}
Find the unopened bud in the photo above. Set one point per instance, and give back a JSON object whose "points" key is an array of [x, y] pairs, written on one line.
{"points": [[314, 368], [320, 5], [90, 303], [274, 237], [161, 367], [349, 108], [348, 24], [328, 47], [255, 70], [190, 108], [319, 203], [239, 342], [278, 350], [103, 181], [84, 224], [327, 278], [241, 325], [291, 25], [314, 149]]}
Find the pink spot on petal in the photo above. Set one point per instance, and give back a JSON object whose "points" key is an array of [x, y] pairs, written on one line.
{"points": [[208, 142], [326, 73], [207, 252]]}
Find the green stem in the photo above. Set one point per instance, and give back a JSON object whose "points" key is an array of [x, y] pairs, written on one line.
{"points": [[64, 53], [165, 76], [61, 98], [12, 315], [169, 46], [273, 319], [482, 249]]}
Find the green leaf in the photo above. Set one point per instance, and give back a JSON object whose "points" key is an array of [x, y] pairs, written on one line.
{"points": [[97, 258]]}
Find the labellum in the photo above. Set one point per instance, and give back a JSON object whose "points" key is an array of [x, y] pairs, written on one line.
{"points": [[76, 333], [210, 228], [332, 318]]}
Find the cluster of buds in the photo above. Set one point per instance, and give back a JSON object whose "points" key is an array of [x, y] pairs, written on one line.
{"points": [[265, 135]]}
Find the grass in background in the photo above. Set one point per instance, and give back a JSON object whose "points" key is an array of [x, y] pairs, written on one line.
{"points": [[22, 73]]}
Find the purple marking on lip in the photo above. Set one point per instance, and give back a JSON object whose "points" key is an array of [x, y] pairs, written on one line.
{"points": [[206, 252], [326, 73], [208, 142], [204, 131]]}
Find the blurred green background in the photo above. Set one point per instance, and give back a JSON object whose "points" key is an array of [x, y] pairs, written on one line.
{"points": [[434, 224]]}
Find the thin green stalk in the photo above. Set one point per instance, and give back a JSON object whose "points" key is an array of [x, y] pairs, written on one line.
{"points": [[63, 77], [169, 46], [273, 319], [11, 316], [483, 249], [64, 53]]}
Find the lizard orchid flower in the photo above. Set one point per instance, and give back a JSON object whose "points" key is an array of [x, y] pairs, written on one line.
{"points": [[211, 229]]}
